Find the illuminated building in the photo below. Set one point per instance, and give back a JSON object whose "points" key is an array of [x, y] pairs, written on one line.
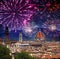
{"points": [[40, 36], [20, 37], [40, 49]]}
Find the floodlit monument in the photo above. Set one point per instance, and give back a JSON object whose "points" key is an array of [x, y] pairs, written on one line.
{"points": [[40, 36], [20, 37]]}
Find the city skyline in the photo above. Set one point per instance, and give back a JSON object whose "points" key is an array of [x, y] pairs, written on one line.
{"points": [[29, 17]]}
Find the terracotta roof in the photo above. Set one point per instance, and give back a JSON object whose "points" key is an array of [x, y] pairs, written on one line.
{"points": [[40, 35]]}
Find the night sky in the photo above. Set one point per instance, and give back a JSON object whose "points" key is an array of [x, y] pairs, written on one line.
{"points": [[30, 16]]}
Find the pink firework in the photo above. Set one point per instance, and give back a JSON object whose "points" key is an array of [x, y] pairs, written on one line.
{"points": [[15, 13]]}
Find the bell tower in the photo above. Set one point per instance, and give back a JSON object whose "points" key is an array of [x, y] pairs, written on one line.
{"points": [[20, 37]]}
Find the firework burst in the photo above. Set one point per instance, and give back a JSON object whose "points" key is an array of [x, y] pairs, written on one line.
{"points": [[15, 14]]}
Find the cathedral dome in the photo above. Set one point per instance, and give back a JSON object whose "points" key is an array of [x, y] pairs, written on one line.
{"points": [[40, 35]]}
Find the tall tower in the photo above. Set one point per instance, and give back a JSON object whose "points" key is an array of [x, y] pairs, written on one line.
{"points": [[6, 35], [20, 37]]}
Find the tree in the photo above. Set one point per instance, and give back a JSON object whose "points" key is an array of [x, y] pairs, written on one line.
{"points": [[23, 55], [4, 52]]}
